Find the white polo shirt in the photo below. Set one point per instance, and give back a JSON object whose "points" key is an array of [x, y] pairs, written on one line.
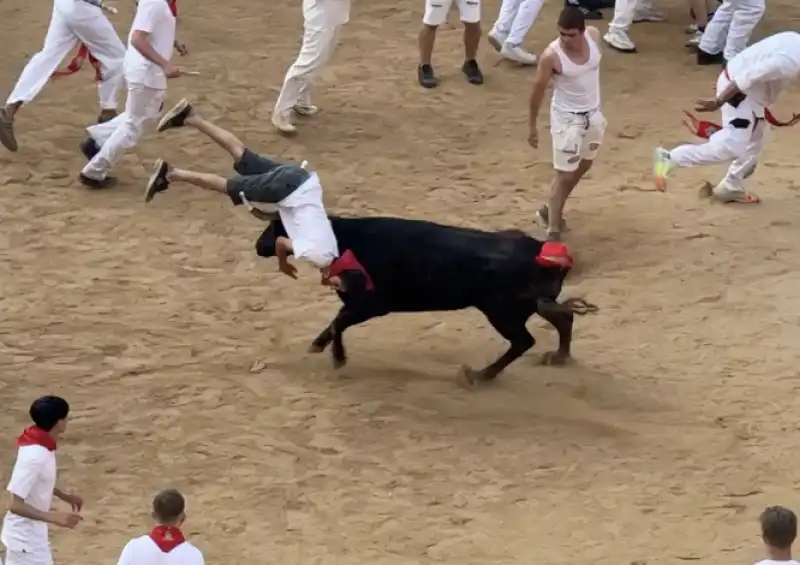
{"points": [[144, 551], [767, 67], [307, 225], [155, 18], [33, 479]]}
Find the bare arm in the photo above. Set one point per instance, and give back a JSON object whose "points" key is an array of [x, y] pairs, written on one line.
{"points": [[140, 40], [594, 33], [544, 74], [19, 507]]}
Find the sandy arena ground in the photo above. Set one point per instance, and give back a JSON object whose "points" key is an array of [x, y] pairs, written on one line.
{"points": [[184, 356]]}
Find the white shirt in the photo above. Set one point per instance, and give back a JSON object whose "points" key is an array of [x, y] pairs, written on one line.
{"points": [[307, 225], [144, 551], [577, 87], [765, 68], [773, 562], [33, 480], [155, 18]]}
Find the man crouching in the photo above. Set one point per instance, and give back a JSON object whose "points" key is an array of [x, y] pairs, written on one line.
{"points": [[296, 192]]}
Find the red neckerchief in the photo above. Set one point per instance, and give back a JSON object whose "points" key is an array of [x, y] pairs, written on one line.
{"points": [[36, 436], [347, 262], [83, 54], [167, 538]]}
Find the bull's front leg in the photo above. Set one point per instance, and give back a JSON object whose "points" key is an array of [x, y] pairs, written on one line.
{"points": [[562, 319], [347, 317]]}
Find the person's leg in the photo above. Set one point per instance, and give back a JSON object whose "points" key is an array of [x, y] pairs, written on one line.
{"points": [[617, 35], [58, 42], [745, 18], [644, 12], [709, 51], [99, 35], [142, 107], [304, 107], [470, 11], [318, 37], [435, 15], [698, 8], [526, 16], [731, 188], [505, 20]]}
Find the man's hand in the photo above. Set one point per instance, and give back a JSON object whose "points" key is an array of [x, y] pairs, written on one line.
{"points": [[181, 49], [533, 137], [171, 71], [74, 500], [707, 105], [67, 519]]}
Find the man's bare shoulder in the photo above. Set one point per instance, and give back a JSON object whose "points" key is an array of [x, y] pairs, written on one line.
{"points": [[549, 58], [594, 33]]}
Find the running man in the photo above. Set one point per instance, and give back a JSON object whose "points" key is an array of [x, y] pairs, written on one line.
{"points": [[322, 24], [749, 84], [33, 485], [572, 64], [513, 23], [71, 21], [147, 67], [166, 544], [296, 192]]}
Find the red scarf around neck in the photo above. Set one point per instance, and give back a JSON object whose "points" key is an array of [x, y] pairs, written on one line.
{"points": [[36, 436], [167, 538]]}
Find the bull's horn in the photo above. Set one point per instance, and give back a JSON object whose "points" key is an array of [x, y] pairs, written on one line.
{"points": [[304, 164]]}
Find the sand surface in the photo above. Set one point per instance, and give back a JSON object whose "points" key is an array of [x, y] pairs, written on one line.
{"points": [[184, 356]]}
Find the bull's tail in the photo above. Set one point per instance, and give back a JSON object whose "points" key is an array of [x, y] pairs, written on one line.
{"points": [[577, 306]]}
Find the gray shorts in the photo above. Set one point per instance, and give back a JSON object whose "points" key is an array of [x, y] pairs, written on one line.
{"points": [[263, 180]]}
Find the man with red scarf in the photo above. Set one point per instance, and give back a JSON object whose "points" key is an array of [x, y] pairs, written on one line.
{"points": [[33, 484], [165, 544]]}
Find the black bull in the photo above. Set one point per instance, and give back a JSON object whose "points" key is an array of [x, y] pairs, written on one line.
{"points": [[419, 266]]}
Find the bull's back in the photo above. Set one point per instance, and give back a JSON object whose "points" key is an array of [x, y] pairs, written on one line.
{"points": [[421, 266]]}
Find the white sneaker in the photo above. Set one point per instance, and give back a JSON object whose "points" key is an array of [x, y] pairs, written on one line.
{"points": [[496, 39], [620, 41], [691, 29], [306, 110], [283, 123], [517, 54]]}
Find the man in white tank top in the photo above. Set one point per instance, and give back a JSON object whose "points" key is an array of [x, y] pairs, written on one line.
{"points": [[749, 84], [577, 126]]}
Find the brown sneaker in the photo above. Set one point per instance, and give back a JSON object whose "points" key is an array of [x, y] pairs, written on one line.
{"points": [[7, 130]]}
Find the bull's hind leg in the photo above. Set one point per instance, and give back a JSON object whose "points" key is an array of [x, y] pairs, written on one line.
{"points": [[562, 320], [510, 323]]}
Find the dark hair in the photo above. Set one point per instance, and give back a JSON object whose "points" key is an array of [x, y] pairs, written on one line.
{"points": [[168, 505], [48, 411], [778, 527], [571, 17]]}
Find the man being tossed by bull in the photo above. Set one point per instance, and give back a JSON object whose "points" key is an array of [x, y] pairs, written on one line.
{"points": [[296, 192]]}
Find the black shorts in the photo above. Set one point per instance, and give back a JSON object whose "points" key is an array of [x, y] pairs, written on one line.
{"points": [[263, 180]]}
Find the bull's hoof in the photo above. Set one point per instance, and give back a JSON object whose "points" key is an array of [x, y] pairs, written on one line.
{"points": [[469, 377], [555, 358], [314, 348], [339, 363]]}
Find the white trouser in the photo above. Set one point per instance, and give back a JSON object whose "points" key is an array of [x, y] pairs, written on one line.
{"points": [[741, 145], [625, 12], [730, 28], [85, 23], [142, 108], [576, 137], [42, 557], [516, 18], [322, 23], [436, 11]]}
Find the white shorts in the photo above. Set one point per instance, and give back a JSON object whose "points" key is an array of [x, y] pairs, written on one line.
{"points": [[576, 137], [436, 11]]}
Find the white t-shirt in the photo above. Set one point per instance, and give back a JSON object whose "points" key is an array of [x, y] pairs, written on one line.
{"points": [[767, 67], [33, 479], [307, 225], [144, 551], [773, 562], [155, 18]]}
